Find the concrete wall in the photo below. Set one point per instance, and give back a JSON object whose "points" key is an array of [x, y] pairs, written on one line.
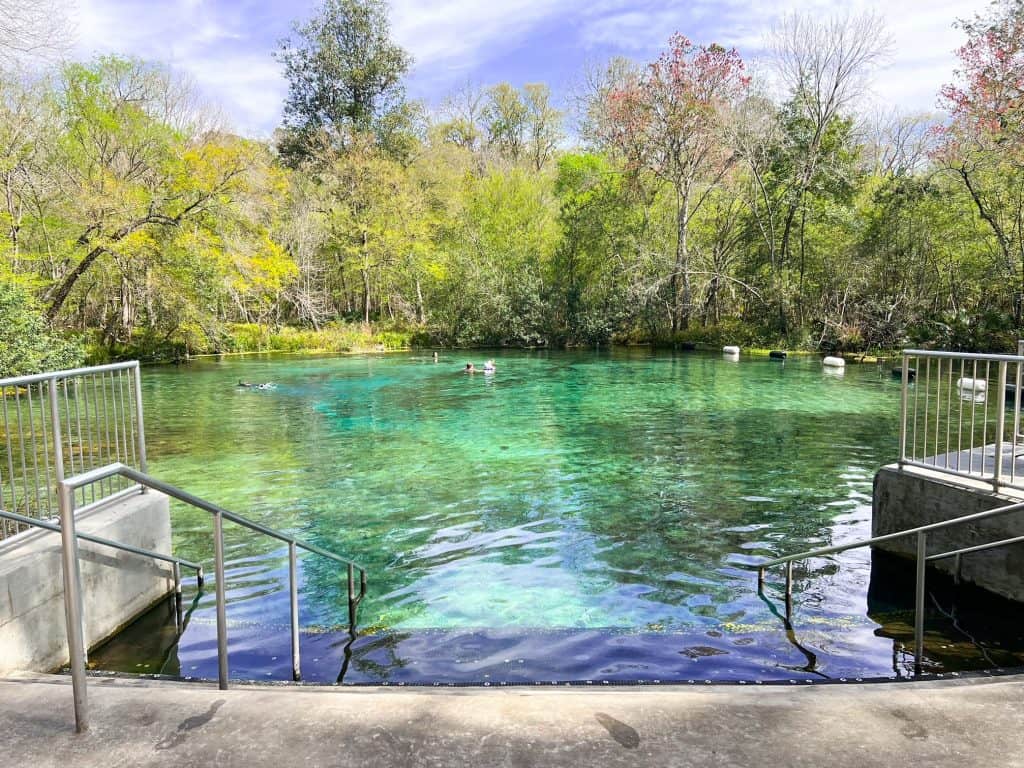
{"points": [[909, 497], [117, 586]]}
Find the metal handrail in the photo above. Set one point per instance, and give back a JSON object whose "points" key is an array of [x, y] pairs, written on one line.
{"points": [[42, 444], [17, 381], [963, 355], [976, 548], [921, 559], [72, 575], [961, 423]]}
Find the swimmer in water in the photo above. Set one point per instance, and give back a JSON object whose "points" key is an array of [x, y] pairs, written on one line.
{"points": [[470, 368], [489, 367]]}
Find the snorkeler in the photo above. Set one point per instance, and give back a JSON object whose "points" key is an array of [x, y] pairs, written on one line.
{"points": [[247, 385]]}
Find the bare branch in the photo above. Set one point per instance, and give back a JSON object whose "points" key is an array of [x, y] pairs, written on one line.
{"points": [[34, 28]]}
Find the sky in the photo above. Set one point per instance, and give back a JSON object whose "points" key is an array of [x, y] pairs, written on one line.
{"points": [[226, 45]]}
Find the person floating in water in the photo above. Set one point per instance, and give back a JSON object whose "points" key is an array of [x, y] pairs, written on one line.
{"points": [[470, 368], [489, 367], [248, 385]]}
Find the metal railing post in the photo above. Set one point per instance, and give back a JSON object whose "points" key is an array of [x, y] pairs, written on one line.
{"points": [[73, 605], [140, 436], [72, 577], [293, 589], [789, 590], [1017, 393], [919, 595], [58, 447], [903, 409], [997, 459], [1016, 414], [351, 598], [222, 614], [176, 573]]}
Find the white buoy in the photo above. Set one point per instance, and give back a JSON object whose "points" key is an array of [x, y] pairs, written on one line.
{"points": [[834, 362], [730, 350], [972, 385], [972, 390]]}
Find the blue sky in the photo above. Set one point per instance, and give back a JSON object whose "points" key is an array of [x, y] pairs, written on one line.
{"points": [[226, 45]]}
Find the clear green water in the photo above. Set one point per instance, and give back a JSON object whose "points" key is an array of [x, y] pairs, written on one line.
{"points": [[618, 494]]}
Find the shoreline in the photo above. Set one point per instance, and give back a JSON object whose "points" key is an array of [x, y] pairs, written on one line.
{"points": [[858, 358]]}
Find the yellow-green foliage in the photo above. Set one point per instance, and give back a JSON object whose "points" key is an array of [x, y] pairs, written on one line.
{"points": [[337, 337]]}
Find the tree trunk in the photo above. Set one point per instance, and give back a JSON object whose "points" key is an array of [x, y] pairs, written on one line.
{"points": [[127, 308], [366, 295], [681, 273], [1001, 238], [63, 290]]}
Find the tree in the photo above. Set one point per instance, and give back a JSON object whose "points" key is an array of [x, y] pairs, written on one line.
{"points": [[597, 276], [344, 77], [984, 143], [670, 122], [543, 125], [825, 65], [505, 117], [36, 28], [463, 112], [127, 174]]}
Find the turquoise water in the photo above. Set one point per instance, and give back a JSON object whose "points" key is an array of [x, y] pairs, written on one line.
{"points": [[567, 504]]}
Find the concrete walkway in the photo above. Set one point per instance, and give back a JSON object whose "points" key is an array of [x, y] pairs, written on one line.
{"points": [[140, 723]]}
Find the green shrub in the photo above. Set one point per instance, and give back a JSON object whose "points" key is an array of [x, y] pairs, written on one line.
{"points": [[247, 337], [26, 343]]}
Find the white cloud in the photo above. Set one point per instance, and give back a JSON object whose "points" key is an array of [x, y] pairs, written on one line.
{"points": [[226, 45], [454, 31], [923, 34], [223, 49]]}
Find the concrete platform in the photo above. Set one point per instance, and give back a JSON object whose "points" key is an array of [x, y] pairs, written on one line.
{"points": [[952, 723], [117, 586], [911, 496], [981, 461]]}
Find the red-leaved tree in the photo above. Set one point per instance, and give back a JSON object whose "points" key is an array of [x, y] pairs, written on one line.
{"points": [[983, 145], [669, 121]]}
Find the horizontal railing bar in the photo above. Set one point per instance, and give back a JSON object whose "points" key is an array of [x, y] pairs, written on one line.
{"points": [[962, 355], [978, 548], [1016, 507], [17, 381], [979, 475], [101, 473], [100, 540]]}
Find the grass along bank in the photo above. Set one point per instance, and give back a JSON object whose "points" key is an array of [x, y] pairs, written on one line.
{"points": [[246, 338]]}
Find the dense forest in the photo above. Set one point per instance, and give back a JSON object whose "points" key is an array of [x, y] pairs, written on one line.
{"points": [[681, 199]]}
